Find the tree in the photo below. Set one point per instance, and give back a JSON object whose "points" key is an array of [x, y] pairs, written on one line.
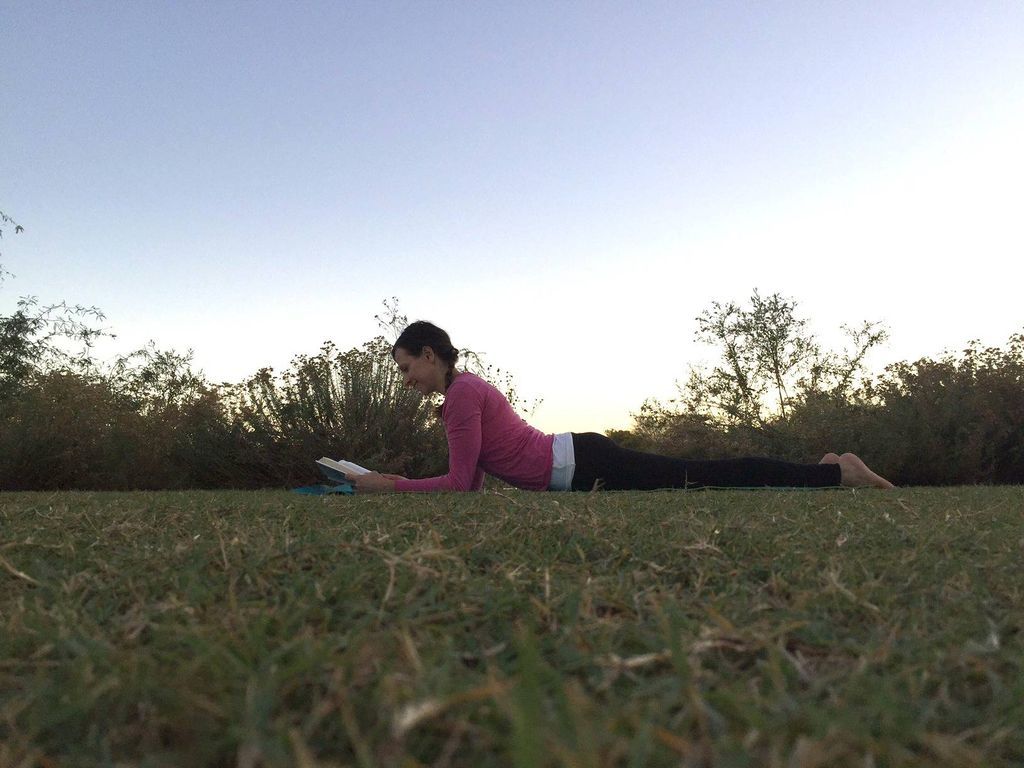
{"points": [[18, 229], [37, 337], [770, 363], [51, 337]]}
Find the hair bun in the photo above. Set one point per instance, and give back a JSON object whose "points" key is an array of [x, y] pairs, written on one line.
{"points": [[422, 334]]}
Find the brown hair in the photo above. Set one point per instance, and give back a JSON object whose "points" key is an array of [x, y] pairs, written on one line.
{"points": [[422, 334]]}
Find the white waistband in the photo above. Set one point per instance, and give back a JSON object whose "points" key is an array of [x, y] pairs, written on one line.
{"points": [[563, 463]]}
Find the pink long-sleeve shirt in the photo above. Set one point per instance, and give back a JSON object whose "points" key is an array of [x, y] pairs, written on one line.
{"points": [[486, 435]]}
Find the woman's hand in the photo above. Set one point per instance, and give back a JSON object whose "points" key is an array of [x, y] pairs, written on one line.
{"points": [[374, 482]]}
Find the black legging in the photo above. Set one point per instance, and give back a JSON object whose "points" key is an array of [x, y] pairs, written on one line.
{"points": [[602, 463]]}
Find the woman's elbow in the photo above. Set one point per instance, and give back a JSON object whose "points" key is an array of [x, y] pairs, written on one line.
{"points": [[462, 484]]}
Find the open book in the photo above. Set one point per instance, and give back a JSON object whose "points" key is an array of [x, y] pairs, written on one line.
{"points": [[341, 470]]}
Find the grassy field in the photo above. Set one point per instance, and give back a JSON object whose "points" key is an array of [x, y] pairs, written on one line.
{"points": [[765, 628]]}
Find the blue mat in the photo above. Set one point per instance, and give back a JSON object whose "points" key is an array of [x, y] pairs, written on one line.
{"points": [[324, 490]]}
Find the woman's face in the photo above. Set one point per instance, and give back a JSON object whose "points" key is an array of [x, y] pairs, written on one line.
{"points": [[424, 373]]}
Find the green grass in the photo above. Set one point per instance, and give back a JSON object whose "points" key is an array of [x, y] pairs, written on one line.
{"points": [[637, 629]]}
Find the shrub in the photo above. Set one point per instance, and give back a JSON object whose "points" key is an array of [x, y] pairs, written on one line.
{"points": [[351, 404], [952, 420], [955, 419], [63, 431]]}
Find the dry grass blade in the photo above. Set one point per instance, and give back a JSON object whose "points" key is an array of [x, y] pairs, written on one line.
{"points": [[636, 662], [419, 712], [16, 573], [303, 756]]}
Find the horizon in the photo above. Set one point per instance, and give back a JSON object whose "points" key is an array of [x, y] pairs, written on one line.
{"points": [[563, 189]]}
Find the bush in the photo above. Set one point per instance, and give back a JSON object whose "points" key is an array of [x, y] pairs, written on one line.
{"points": [[776, 392], [66, 430], [151, 422], [74, 430], [342, 404], [952, 420], [956, 419]]}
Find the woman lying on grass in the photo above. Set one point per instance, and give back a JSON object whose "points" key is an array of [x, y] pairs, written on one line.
{"points": [[486, 435]]}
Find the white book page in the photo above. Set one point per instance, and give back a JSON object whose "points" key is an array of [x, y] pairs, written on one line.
{"points": [[348, 467]]}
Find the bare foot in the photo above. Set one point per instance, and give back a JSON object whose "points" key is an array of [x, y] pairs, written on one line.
{"points": [[855, 473]]}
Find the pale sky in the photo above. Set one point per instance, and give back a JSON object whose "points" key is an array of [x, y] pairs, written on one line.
{"points": [[563, 186]]}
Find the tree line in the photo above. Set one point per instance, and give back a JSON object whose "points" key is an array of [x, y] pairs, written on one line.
{"points": [[957, 418], [149, 420]]}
